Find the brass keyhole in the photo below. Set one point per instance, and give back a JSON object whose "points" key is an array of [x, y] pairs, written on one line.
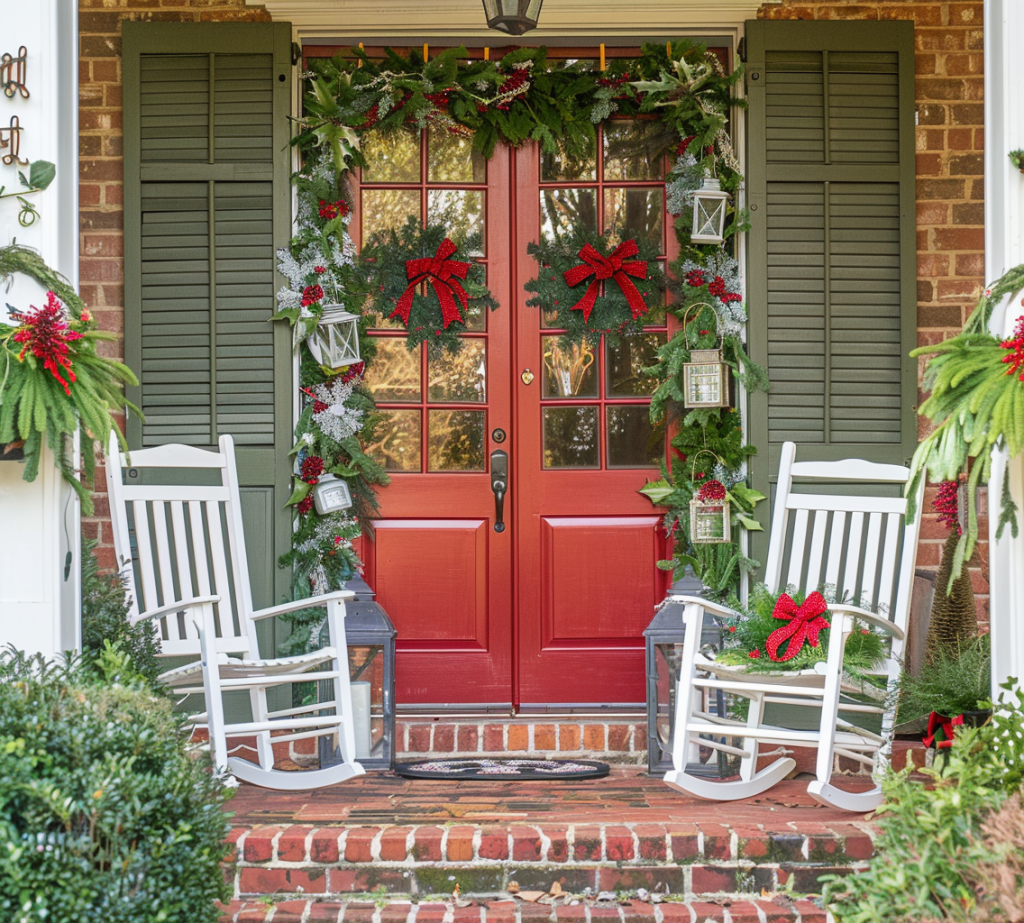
{"points": [[527, 376]]}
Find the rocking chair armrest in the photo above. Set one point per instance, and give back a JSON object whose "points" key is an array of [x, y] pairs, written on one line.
{"points": [[310, 603], [706, 604], [181, 605], [870, 617]]}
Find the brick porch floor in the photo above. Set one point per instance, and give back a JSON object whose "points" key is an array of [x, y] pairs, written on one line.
{"points": [[382, 849]]}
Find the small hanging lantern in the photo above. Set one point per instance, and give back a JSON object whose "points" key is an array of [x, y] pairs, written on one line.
{"points": [[335, 342], [331, 495], [709, 206], [709, 515], [705, 379], [513, 17]]}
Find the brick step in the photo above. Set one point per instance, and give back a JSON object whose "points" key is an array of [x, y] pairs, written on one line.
{"points": [[776, 910], [488, 862]]}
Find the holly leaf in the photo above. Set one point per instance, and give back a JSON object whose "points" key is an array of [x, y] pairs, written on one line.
{"points": [[344, 471], [300, 493], [751, 525], [657, 491]]}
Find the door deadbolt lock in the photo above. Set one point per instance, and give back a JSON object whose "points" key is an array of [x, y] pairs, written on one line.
{"points": [[499, 436], [527, 376]]}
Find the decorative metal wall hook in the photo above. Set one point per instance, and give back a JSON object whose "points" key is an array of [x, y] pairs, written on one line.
{"points": [[13, 142], [12, 73]]}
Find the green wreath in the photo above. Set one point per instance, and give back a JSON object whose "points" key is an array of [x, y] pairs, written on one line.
{"points": [[595, 286], [413, 275]]}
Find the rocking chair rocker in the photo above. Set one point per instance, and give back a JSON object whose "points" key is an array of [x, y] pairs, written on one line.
{"points": [[190, 575], [864, 547]]}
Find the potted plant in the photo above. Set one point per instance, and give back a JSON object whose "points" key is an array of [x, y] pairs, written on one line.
{"points": [[953, 682]]}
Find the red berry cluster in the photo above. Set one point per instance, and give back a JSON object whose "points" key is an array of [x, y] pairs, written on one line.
{"points": [[616, 83], [329, 210], [754, 654], [312, 294], [712, 490], [319, 406], [1016, 344], [304, 505], [46, 333], [945, 505], [440, 100], [372, 117], [717, 288], [683, 145], [515, 85], [352, 372], [312, 468], [695, 278]]}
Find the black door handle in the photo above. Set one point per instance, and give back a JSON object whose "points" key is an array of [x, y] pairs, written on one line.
{"points": [[499, 485]]}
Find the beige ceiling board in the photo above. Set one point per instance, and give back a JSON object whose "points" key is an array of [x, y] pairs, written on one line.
{"points": [[463, 20]]}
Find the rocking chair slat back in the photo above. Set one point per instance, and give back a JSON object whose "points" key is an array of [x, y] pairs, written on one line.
{"points": [[185, 536]]}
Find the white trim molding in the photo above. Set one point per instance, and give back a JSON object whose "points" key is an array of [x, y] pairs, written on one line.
{"points": [[463, 20], [1004, 232]]}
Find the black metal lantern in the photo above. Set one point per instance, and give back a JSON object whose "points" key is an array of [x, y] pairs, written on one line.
{"points": [[513, 17], [663, 646], [371, 659]]}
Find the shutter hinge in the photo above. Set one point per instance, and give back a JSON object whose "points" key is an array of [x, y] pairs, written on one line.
{"points": [[296, 53], [741, 49]]}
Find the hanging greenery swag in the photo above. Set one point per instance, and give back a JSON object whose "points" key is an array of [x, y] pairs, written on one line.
{"points": [[686, 93]]}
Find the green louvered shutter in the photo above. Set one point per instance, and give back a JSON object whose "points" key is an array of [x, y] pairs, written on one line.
{"points": [[207, 202], [831, 271]]}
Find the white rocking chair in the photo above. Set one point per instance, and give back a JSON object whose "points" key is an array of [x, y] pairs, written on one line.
{"points": [[862, 546], [191, 576]]}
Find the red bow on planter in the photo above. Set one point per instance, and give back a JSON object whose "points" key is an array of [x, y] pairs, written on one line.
{"points": [[936, 723], [444, 275], [611, 267], [805, 623]]}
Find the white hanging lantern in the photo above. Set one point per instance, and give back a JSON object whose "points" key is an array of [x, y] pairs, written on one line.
{"points": [[705, 379], [331, 494], [335, 342], [710, 522], [709, 207]]}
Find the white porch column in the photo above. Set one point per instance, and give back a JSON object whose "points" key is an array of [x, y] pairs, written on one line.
{"points": [[1004, 222], [39, 522]]}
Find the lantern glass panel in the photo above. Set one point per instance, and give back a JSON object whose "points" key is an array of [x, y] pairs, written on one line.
{"points": [[706, 379], [335, 342], [709, 522]]}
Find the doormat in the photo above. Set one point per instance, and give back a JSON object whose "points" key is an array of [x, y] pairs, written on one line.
{"points": [[503, 769]]}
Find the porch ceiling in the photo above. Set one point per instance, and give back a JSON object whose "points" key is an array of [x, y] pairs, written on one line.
{"points": [[561, 20]]}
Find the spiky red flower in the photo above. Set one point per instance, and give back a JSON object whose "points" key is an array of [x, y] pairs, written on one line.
{"points": [[46, 333], [945, 504], [712, 490], [355, 370], [1016, 346], [312, 468], [304, 505], [695, 278], [683, 145]]}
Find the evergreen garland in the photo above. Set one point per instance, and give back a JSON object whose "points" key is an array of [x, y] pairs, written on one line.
{"points": [[521, 97]]}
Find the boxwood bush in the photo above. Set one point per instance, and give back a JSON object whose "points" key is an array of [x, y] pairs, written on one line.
{"points": [[104, 815]]}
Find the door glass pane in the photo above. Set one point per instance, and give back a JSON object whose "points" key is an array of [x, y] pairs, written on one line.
{"points": [[462, 377], [632, 150], [451, 159], [391, 158], [560, 166], [394, 374], [632, 441], [626, 362], [565, 209], [388, 209], [638, 211], [397, 442], [568, 371], [570, 437], [456, 440], [476, 318], [461, 211]]}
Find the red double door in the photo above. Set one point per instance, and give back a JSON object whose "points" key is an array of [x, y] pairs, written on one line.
{"points": [[551, 609]]}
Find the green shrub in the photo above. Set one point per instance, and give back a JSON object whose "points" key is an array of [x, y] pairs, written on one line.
{"points": [[936, 857], [105, 619], [956, 679], [104, 816]]}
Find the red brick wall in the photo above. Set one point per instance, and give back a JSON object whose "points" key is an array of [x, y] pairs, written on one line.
{"points": [[949, 82], [101, 169]]}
